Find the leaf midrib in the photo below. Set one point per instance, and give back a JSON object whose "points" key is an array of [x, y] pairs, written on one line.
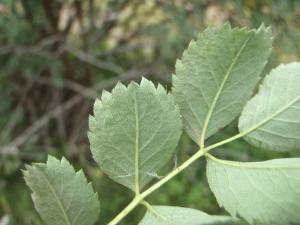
{"points": [[58, 201], [137, 155], [270, 117], [213, 105]]}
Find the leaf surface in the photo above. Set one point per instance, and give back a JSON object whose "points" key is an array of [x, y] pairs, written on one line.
{"points": [[267, 192], [134, 132], [171, 215], [60, 195], [216, 76], [273, 115]]}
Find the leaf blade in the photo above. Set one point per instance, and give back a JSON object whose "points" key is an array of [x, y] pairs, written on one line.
{"points": [[134, 132], [271, 118], [257, 191], [55, 204], [203, 87], [173, 215]]}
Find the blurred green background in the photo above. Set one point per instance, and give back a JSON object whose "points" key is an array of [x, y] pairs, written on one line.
{"points": [[57, 55]]}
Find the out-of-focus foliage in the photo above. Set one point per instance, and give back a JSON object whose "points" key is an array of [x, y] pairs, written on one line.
{"points": [[56, 56]]}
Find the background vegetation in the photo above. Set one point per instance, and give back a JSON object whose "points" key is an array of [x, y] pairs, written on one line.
{"points": [[56, 57]]}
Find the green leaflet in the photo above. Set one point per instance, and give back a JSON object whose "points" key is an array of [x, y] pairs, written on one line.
{"points": [[134, 132], [172, 215], [267, 192], [273, 115], [216, 76], [61, 195]]}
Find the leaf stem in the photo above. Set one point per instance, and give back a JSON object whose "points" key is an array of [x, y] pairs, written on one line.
{"points": [[233, 138], [154, 212], [174, 172], [201, 152], [221, 88], [139, 198], [150, 208], [126, 210]]}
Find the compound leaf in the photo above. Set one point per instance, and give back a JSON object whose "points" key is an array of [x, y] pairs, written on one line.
{"points": [[61, 195], [271, 118], [171, 215], [134, 132], [216, 76], [267, 192]]}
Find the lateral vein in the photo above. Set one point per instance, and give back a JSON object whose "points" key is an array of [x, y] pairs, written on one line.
{"points": [[59, 203]]}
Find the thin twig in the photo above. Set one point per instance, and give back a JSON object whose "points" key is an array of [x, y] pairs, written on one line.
{"points": [[88, 58], [38, 124], [38, 49], [72, 85]]}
